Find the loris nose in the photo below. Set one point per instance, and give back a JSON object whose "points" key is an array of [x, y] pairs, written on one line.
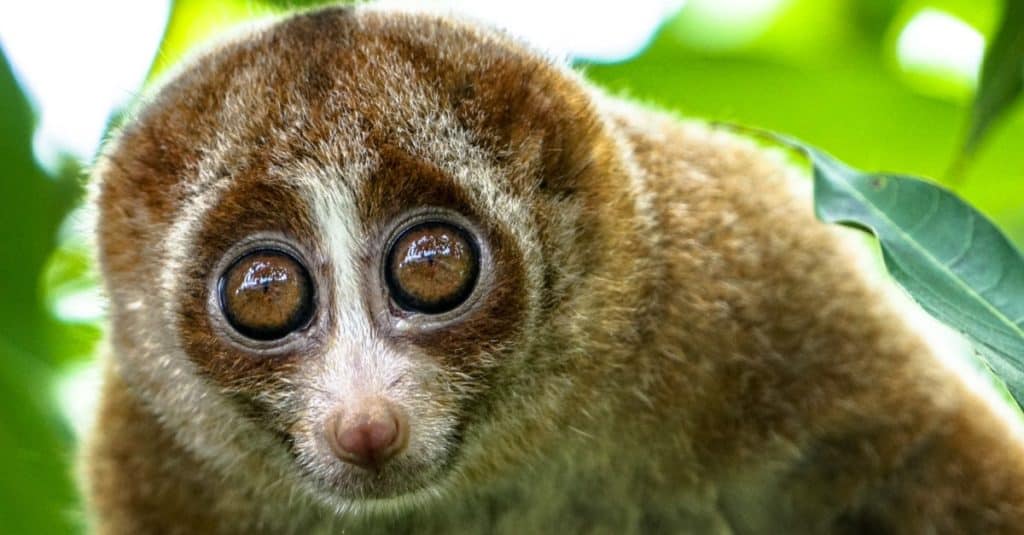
{"points": [[367, 439]]}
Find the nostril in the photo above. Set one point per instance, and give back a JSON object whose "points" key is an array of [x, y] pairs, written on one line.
{"points": [[366, 440]]}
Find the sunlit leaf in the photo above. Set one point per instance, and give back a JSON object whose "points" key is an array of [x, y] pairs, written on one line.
{"points": [[947, 255]]}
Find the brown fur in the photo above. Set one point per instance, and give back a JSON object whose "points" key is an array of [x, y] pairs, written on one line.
{"points": [[663, 339]]}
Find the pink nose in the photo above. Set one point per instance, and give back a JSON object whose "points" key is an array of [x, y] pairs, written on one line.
{"points": [[367, 439]]}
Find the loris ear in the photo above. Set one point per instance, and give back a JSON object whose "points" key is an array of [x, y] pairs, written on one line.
{"points": [[533, 115]]}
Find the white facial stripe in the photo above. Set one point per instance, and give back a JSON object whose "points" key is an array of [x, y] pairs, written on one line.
{"points": [[358, 368], [332, 202], [336, 218]]}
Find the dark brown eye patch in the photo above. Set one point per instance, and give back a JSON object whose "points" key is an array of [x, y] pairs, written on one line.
{"points": [[432, 267], [266, 294]]}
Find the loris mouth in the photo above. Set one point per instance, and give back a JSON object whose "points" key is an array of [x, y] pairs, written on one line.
{"points": [[404, 476], [393, 481]]}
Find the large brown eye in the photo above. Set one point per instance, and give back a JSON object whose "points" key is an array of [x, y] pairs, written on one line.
{"points": [[266, 294], [432, 267]]}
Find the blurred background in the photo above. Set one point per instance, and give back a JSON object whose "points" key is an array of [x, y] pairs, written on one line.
{"points": [[882, 84]]}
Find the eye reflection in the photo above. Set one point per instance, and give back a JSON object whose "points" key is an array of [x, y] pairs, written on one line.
{"points": [[266, 294], [432, 267]]}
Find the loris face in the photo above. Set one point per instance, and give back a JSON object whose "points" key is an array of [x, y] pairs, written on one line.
{"points": [[352, 245]]}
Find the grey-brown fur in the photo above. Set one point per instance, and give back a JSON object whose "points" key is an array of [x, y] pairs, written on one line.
{"points": [[666, 340]]}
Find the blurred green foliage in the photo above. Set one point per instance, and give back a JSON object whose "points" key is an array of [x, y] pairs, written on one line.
{"points": [[1002, 77], [823, 71], [36, 494]]}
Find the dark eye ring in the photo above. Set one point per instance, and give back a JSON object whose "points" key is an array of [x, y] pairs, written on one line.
{"points": [[266, 294], [432, 267]]}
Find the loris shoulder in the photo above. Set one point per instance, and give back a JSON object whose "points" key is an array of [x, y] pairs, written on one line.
{"points": [[382, 272]]}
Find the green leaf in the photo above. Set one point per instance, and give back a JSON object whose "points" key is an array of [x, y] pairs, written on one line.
{"points": [[1002, 76], [36, 490], [947, 255]]}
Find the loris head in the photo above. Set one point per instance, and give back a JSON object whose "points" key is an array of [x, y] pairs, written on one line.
{"points": [[368, 255]]}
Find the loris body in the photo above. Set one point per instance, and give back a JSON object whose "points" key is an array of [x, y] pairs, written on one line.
{"points": [[393, 273]]}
